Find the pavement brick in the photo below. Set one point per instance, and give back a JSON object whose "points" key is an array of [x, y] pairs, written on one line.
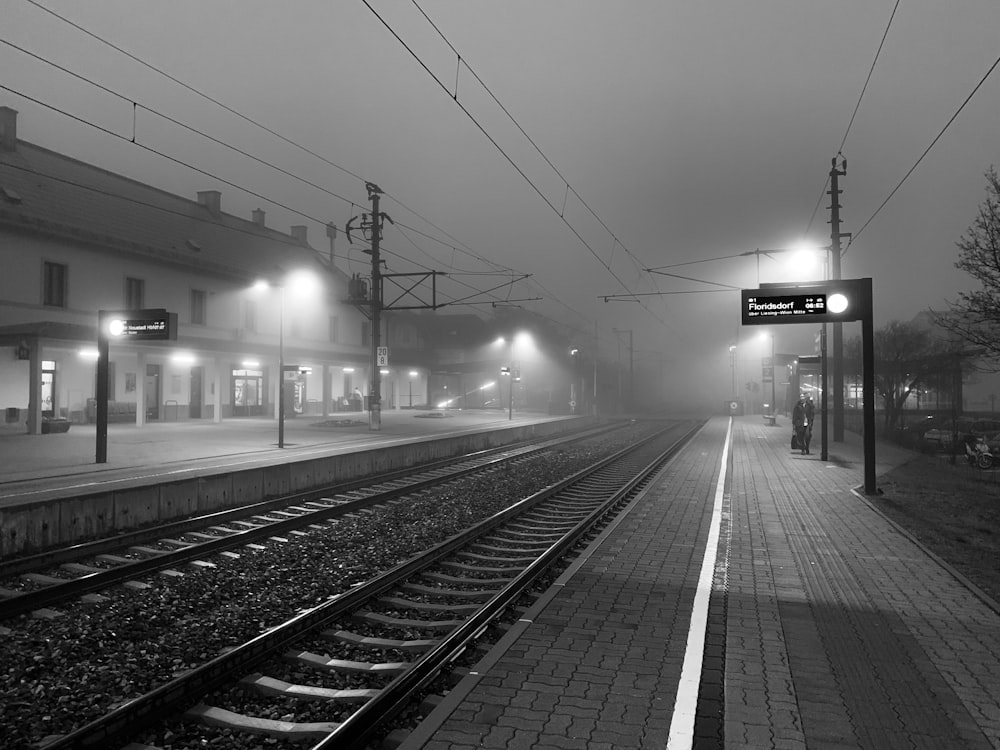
{"points": [[839, 631]]}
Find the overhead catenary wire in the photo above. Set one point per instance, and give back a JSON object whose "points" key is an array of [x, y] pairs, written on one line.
{"points": [[496, 144], [152, 150], [854, 114], [135, 140], [454, 245], [136, 105], [925, 152]]}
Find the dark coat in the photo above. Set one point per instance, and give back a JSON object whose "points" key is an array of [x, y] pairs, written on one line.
{"points": [[799, 415]]}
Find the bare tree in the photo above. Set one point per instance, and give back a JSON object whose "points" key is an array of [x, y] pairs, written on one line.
{"points": [[907, 357], [975, 316]]}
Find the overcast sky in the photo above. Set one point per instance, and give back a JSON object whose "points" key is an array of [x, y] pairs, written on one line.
{"points": [[692, 131]]}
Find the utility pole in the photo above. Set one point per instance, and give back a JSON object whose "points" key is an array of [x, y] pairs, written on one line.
{"points": [[838, 328], [331, 232], [623, 404], [375, 392]]}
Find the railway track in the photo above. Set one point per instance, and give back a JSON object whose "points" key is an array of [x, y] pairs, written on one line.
{"points": [[368, 652], [44, 580]]}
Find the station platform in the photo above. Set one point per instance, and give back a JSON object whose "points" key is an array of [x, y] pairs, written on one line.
{"points": [[45, 466], [750, 598]]}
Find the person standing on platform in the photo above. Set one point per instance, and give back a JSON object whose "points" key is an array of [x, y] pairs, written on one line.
{"points": [[801, 423], [810, 417]]}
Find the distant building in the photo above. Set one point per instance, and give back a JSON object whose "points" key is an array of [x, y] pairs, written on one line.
{"points": [[75, 239]]}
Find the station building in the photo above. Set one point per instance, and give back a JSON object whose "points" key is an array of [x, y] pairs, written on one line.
{"points": [[76, 239]]}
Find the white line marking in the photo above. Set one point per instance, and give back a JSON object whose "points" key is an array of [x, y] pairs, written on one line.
{"points": [[682, 721]]}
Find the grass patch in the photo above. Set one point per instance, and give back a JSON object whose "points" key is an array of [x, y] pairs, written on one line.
{"points": [[954, 510]]}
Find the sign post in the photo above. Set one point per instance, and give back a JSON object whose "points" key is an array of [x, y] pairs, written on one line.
{"points": [[155, 324], [834, 301]]}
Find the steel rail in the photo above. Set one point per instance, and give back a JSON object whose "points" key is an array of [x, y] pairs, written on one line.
{"points": [[359, 727], [92, 582], [50, 558], [125, 721]]}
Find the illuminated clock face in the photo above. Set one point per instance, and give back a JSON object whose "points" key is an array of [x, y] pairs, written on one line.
{"points": [[116, 327], [836, 303]]}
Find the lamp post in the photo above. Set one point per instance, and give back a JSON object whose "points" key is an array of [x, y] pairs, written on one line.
{"points": [[281, 368], [732, 365], [774, 405], [303, 283], [768, 370]]}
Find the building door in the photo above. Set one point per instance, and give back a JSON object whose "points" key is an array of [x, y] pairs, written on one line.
{"points": [[197, 392], [247, 393], [152, 392], [49, 388]]}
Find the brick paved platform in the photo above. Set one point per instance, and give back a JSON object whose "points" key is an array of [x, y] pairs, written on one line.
{"points": [[827, 627]]}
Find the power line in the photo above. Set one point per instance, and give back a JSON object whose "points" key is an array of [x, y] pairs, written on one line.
{"points": [[207, 136], [854, 114], [305, 149], [496, 145], [926, 151], [519, 127], [868, 79], [195, 91], [220, 142], [137, 142]]}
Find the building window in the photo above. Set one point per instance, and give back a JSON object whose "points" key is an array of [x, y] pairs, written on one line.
{"points": [[198, 298], [250, 316], [334, 329], [135, 293], [54, 284]]}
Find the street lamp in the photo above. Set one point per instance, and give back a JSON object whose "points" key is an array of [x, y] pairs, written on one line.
{"points": [[772, 368], [413, 374], [302, 284], [512, 370], [732, 365]]}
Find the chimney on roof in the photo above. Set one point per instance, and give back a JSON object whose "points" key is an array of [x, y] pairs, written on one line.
{"points": [[299, 233], [8, 129], [258, 216], [212, 200]]}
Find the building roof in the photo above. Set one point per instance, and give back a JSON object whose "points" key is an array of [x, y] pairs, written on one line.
{"points": [[44, 191]]}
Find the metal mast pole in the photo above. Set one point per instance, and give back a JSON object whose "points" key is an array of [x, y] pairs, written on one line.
{"points": [[281, 368], [838, 328], [375, 396]]}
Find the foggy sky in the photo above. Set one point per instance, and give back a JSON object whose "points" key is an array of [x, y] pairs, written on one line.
{"points": [[693, 130]]}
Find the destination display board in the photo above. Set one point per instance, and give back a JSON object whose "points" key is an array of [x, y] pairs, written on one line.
{"points": [[154, 324], [781, 308]]}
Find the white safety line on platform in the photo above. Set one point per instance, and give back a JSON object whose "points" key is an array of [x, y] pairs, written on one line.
{"points": [[682, 721]]}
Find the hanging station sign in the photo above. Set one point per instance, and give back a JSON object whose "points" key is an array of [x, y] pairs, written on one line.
{"points": [[818, 302]]}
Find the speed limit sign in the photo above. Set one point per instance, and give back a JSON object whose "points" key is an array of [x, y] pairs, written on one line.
{"points": [[382, 356]]}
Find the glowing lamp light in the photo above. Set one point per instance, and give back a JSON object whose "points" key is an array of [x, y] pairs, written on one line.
{"points": [[836, 303], [116, 327]]}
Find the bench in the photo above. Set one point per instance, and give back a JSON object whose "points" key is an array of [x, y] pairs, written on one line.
{"points": [[771, 419], [52, 425], [118, 411]]}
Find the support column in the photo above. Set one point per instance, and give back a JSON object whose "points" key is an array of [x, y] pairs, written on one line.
{"points": [[217, 392], [140, 389], [34, 387], [327, 388]]}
